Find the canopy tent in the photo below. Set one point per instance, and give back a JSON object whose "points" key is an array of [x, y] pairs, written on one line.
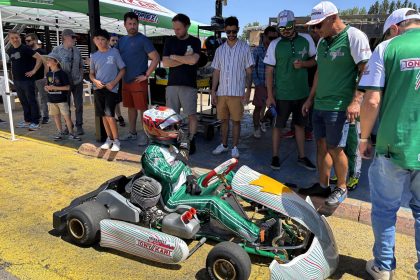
{"points": [[74, 14], [61, 14]]}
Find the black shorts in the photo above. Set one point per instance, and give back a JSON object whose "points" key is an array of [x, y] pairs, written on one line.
{"points": [[105, 102], [285, 108], [119, 93]]}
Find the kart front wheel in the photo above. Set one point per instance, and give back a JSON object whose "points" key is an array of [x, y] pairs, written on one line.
{"points": [[228, 260], [83, 222]]}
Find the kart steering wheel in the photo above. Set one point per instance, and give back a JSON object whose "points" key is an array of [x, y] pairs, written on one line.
{"points": [[221, 170]]}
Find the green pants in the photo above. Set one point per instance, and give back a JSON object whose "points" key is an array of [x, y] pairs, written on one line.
{"points": [[218, 208], [352, 150]]}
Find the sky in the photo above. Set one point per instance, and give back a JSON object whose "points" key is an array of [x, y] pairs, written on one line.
{"points": [[248, 11]]}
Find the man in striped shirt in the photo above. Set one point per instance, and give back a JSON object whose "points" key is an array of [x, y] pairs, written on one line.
{"points": [[232, 65]]}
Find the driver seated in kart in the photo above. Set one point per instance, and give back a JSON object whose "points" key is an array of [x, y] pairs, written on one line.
{"points": [[164, 160]]}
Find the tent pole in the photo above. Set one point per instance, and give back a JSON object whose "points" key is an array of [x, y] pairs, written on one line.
{"points": [[144, 30], [6, 81]]}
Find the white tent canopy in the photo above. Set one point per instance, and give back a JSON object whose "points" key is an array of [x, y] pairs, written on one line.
{"points": [[60, 20]]}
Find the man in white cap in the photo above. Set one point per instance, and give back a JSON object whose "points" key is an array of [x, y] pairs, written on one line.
{"points": [[392, 91], [342, 53], [289, 57]]}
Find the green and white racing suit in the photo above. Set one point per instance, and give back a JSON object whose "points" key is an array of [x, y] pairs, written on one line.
{"points": [[160, 162]]}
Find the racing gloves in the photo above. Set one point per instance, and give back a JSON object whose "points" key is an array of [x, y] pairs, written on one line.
{"points": [[192, 187]]}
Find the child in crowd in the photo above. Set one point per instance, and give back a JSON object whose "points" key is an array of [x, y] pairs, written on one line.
{"points": [[57, 88], [106, 70]]}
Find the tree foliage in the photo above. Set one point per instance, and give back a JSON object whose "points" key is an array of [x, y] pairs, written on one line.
{"points": [[386, 7], [243, 36]]}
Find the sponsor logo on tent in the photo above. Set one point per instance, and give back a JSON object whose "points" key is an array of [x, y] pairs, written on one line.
{"points": [[147, 17], [142, 4]]}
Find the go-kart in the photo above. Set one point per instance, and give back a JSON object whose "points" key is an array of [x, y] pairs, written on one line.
{"points": [[124, 215]]}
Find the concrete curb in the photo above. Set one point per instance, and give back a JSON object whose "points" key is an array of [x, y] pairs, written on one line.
{"points": [[351, 209]]}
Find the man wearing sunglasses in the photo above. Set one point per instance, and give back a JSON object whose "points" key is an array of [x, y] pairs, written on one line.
{"points": [[392, 91], [342, 53], [232, 66], [289, 57], [258, 77]]}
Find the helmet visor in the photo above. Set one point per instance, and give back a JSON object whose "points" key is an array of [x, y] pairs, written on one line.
{"points": [[171, 123]]}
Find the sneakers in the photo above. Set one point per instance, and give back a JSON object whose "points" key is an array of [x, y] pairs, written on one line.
{"points": [[121, 121], [257, 133], [129, 137], [116, 146], [220, 149], [309, 136], [289, 134], [74, 137], [352, 183], [377, 273], [336, 197], [79, 130], [34, 127], [142, 139], [58, 136], [317, 190], [22, 124], [235, 152], [45, 120], [275, 163], [107, 144], [306, 163], [333, 180]]}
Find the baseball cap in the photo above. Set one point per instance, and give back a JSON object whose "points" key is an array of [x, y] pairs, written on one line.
{"points": [[321, 11], [398, 16], [285, 18], [68, 32], [53, 56]]}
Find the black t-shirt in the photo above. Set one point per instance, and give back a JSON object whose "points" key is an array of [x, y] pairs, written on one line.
{"points": [[22, 61], [58, 79], [183, 75], [40, 73]]}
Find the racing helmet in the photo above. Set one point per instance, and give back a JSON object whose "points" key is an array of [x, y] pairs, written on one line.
{"points": [[162, 124]]}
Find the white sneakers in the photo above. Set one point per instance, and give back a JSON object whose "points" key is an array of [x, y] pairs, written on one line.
{"points": [[222, 149], [377, 273], [235, 152], [116, 145]]}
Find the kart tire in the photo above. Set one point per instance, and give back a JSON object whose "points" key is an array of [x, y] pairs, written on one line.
{"points": [[83, 223], [227, 260]]}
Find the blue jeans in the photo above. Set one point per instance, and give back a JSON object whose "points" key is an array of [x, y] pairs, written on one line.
{"points": [[387, 181], [331, 125], [26, 92]]}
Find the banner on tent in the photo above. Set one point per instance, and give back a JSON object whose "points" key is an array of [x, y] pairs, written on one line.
{"points": [[147, 17]]}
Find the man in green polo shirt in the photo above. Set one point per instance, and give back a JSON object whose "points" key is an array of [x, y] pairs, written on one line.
{"points": [[289, 57], [391, 83], [341, 55]]}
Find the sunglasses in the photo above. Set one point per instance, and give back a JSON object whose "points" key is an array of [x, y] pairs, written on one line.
{"points": [[231, 31], [283, 28]]}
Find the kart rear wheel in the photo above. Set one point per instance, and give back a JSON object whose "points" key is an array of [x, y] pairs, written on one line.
{"points": [[83, 222], [227, 260]]}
